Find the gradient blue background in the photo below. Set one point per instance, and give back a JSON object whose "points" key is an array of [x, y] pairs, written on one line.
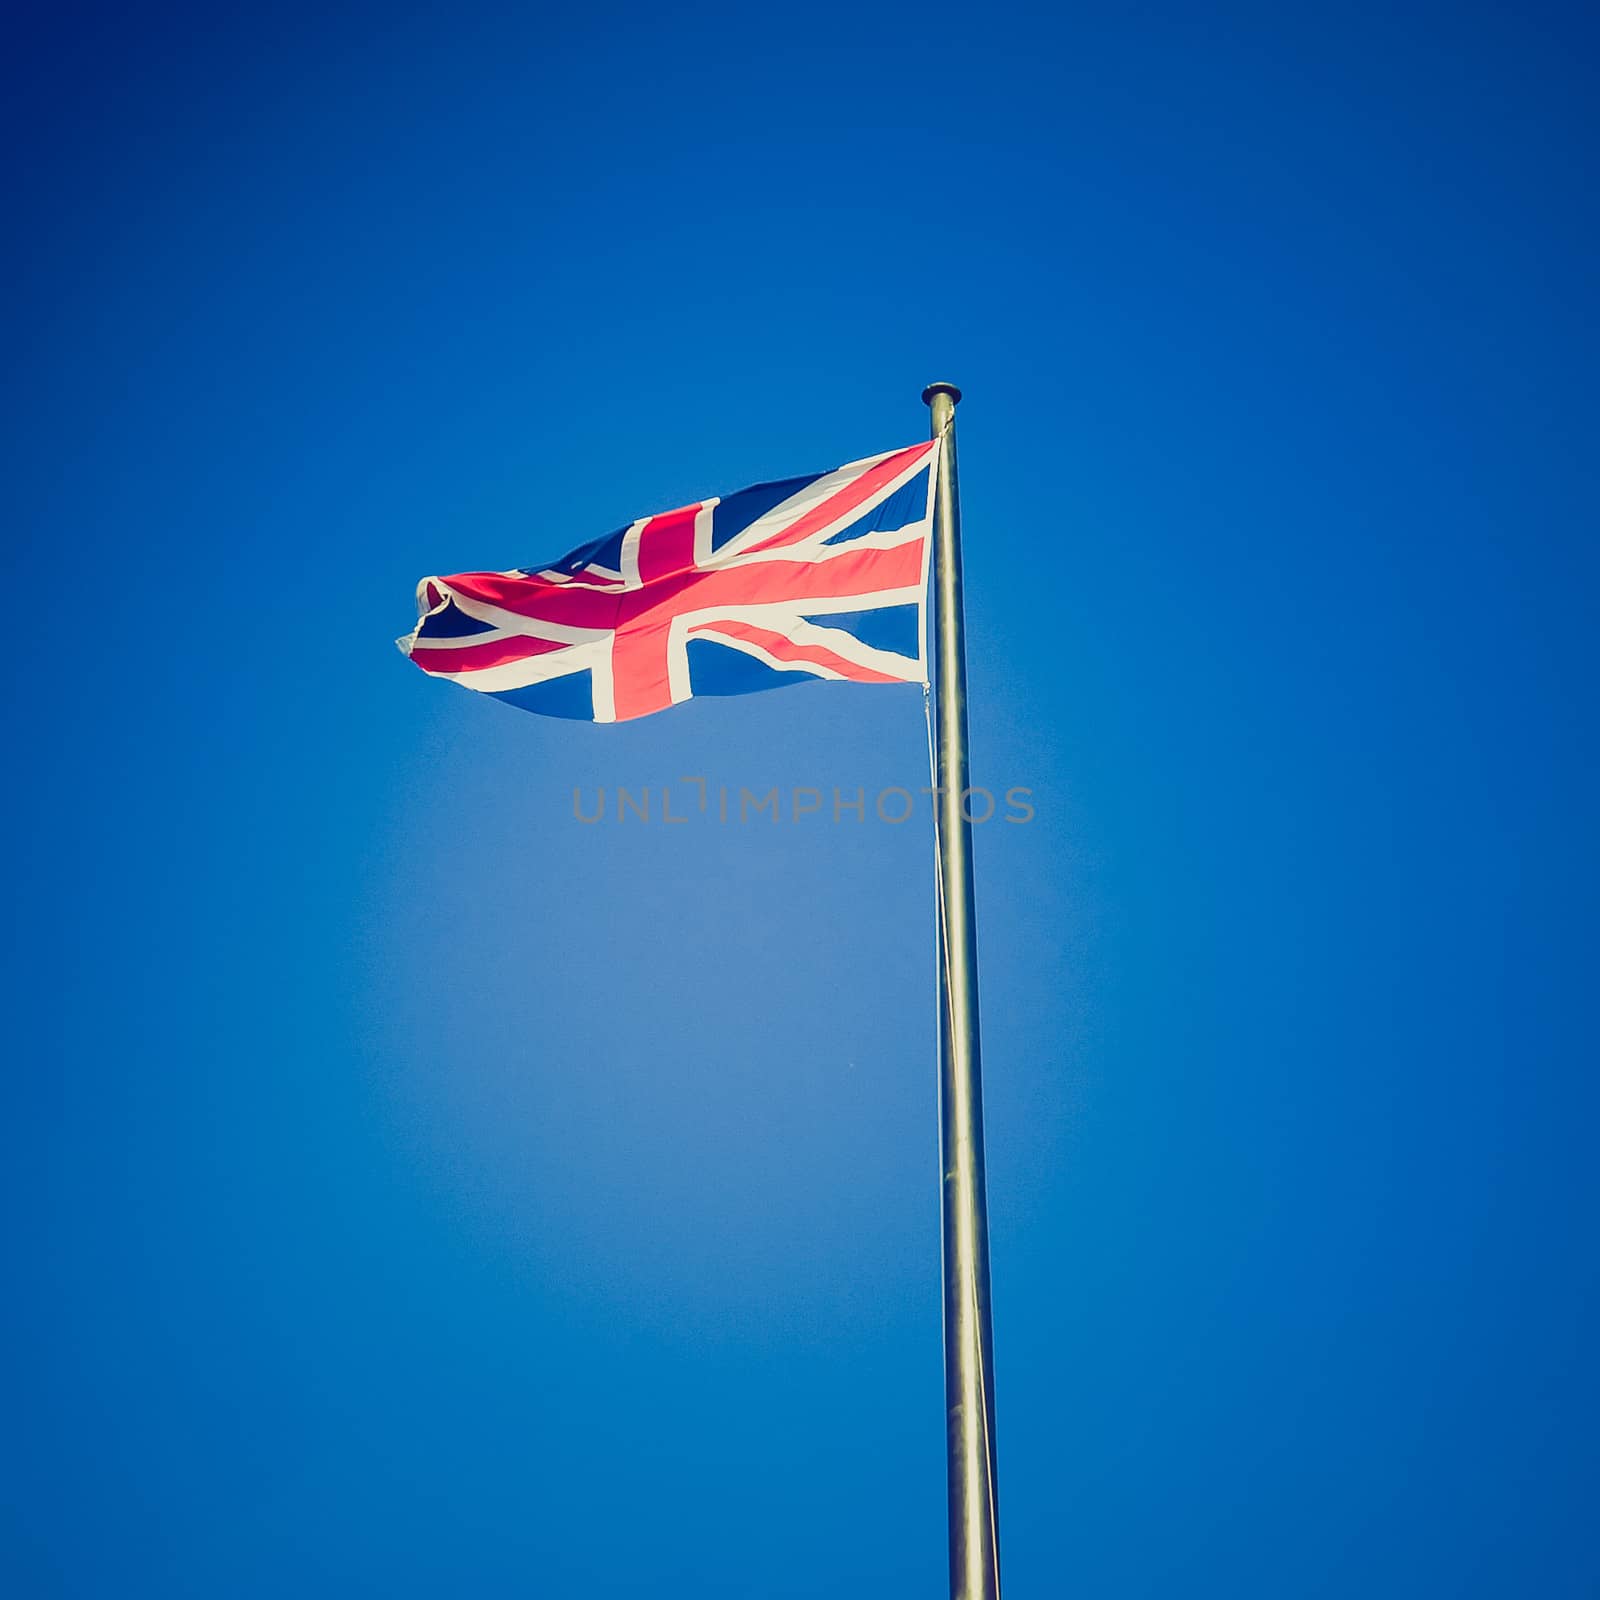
{"points": [[413, 1192]]}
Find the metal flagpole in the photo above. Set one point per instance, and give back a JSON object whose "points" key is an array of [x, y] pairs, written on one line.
{"points": [[968, 1342]]}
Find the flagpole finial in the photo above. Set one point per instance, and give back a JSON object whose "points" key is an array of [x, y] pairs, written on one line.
{"points": [[941, 388]]}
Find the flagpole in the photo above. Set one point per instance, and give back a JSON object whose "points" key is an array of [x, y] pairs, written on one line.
{"points": [[968, 1341]]}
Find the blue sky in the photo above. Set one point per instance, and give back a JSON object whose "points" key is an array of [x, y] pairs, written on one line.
{"points": [[416, 1192]]}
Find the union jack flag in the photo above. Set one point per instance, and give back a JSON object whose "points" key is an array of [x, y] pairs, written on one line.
{"points": [[817, 577]]}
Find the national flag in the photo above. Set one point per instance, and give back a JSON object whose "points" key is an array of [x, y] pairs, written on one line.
{"points": [[817, 577]]}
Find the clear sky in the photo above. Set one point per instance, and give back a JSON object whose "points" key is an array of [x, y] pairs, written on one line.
{"points": [[415, 1192]]}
